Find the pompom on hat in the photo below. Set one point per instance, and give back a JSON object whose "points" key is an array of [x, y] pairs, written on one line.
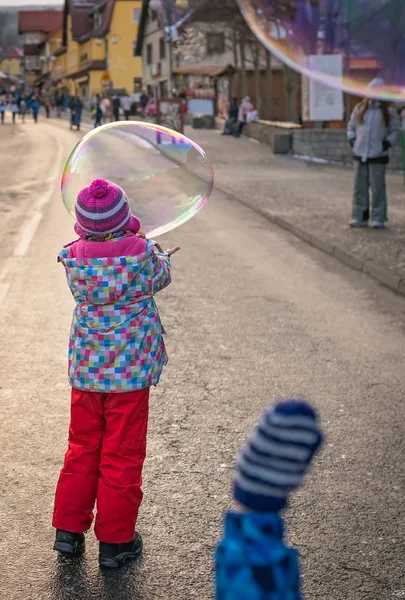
{"points": [[102, 208], [277, 456]]}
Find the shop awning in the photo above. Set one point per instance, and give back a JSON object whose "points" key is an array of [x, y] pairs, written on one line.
{"points": [[204, 71]]}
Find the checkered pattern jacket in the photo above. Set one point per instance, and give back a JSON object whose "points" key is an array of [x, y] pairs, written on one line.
{"points": [[116, 342], [252, 561]]}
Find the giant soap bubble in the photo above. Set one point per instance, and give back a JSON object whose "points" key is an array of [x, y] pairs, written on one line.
{"points": [[167, 178], [367, 35]]}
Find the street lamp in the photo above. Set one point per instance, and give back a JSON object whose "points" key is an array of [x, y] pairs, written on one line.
{"points": [[170, 4]]}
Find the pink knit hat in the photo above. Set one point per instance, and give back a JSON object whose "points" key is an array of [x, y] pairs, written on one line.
{"points": [[102, 208]]}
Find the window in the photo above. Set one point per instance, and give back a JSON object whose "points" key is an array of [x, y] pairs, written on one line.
{"points": [[137, 84], [84, 57], [32, 38], [136, 15], [134, 48], [215, 43], [98, 20], [32, 63], [162, 48], [154, 15], [149, 54]]}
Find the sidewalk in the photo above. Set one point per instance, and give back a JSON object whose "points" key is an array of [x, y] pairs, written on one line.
{"points": [[312, 201]]}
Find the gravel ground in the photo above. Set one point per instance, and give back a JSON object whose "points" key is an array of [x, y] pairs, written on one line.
{"points": [[253, 314]]}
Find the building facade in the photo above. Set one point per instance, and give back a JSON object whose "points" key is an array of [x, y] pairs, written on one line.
{"points": [[97, 52], [11, 64], [35, 27]]}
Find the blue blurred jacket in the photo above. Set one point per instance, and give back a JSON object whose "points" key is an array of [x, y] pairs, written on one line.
{"points": [[252, 561]]}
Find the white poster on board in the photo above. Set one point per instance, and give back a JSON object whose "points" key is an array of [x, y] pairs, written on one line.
{"points": [[326, 103]]}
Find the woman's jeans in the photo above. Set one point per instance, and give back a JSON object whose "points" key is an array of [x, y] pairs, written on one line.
{"points": [[241, 125], [370, 175]]}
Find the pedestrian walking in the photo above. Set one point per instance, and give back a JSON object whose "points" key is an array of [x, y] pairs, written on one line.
{"points": [[59, 105], [47, 105], [144, 99], [116, 353], [373, 129], [3, 107], [116, 105], [98, 115], [23, 109], [13, 107], [76, 109], [232, 117], [245, 108], [35, 105], [126, 105], [252, 560], [106, 107]]}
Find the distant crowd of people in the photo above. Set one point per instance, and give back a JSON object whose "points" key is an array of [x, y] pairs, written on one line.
{"points": [[239, 115], [106, 109], [20, 105]]}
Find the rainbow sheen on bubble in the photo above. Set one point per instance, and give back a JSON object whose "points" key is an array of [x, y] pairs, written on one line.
{"points": [[369, 35], [166, 177]]}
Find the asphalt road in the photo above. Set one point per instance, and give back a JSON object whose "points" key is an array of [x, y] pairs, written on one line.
{"points": [[253, 314]]}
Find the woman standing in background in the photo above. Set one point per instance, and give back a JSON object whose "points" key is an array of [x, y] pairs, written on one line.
{"points": [[373, 129]]}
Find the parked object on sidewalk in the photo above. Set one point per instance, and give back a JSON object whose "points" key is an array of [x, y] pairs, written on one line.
{"points": [[110, 373], [252, 559], [373, 129]]}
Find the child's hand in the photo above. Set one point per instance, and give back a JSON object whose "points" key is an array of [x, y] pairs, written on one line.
{"points": [[172, 251]]}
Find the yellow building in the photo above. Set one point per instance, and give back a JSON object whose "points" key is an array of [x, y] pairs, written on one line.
{"points": [[98, 48], [11, 63]]}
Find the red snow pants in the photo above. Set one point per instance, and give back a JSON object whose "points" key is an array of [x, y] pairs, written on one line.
{"points": [[103, 463]]}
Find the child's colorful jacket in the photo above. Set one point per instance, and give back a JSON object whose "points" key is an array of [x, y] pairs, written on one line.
{"points": [[116, 342], [252, 561]]}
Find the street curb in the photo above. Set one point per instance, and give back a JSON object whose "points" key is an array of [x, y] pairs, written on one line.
{"points": [[385, 277]]}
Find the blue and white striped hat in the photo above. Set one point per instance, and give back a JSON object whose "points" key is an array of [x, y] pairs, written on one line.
{"points": [[277, 456]]}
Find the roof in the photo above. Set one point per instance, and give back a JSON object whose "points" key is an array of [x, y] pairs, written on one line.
{"points": [[39, 20], [14, 53], [201, 70], [81, 12]]}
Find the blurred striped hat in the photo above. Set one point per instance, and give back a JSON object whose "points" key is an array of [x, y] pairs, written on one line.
{"points": [[277, 456]]}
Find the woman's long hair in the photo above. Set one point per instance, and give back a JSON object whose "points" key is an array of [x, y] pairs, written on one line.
{"points": [[362, 107]]}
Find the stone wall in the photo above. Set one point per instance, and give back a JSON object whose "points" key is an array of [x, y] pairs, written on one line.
{"points": [[264, 131], [325, 144], [332, 145]]}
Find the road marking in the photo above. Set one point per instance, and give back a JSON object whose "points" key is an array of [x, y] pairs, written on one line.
{"points": [[30, 226], [4, 287], [26, 234]]}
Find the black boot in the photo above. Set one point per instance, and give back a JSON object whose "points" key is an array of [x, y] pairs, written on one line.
{"points": [[69, 543], [115, 555]]}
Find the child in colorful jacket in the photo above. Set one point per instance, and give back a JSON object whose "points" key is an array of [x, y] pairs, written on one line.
{"points": [[116, 352], [252, 560]]}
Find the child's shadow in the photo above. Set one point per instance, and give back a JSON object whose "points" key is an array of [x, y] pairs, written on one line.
{"points": [[71, 579], [76, 579], [122, 584]]}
